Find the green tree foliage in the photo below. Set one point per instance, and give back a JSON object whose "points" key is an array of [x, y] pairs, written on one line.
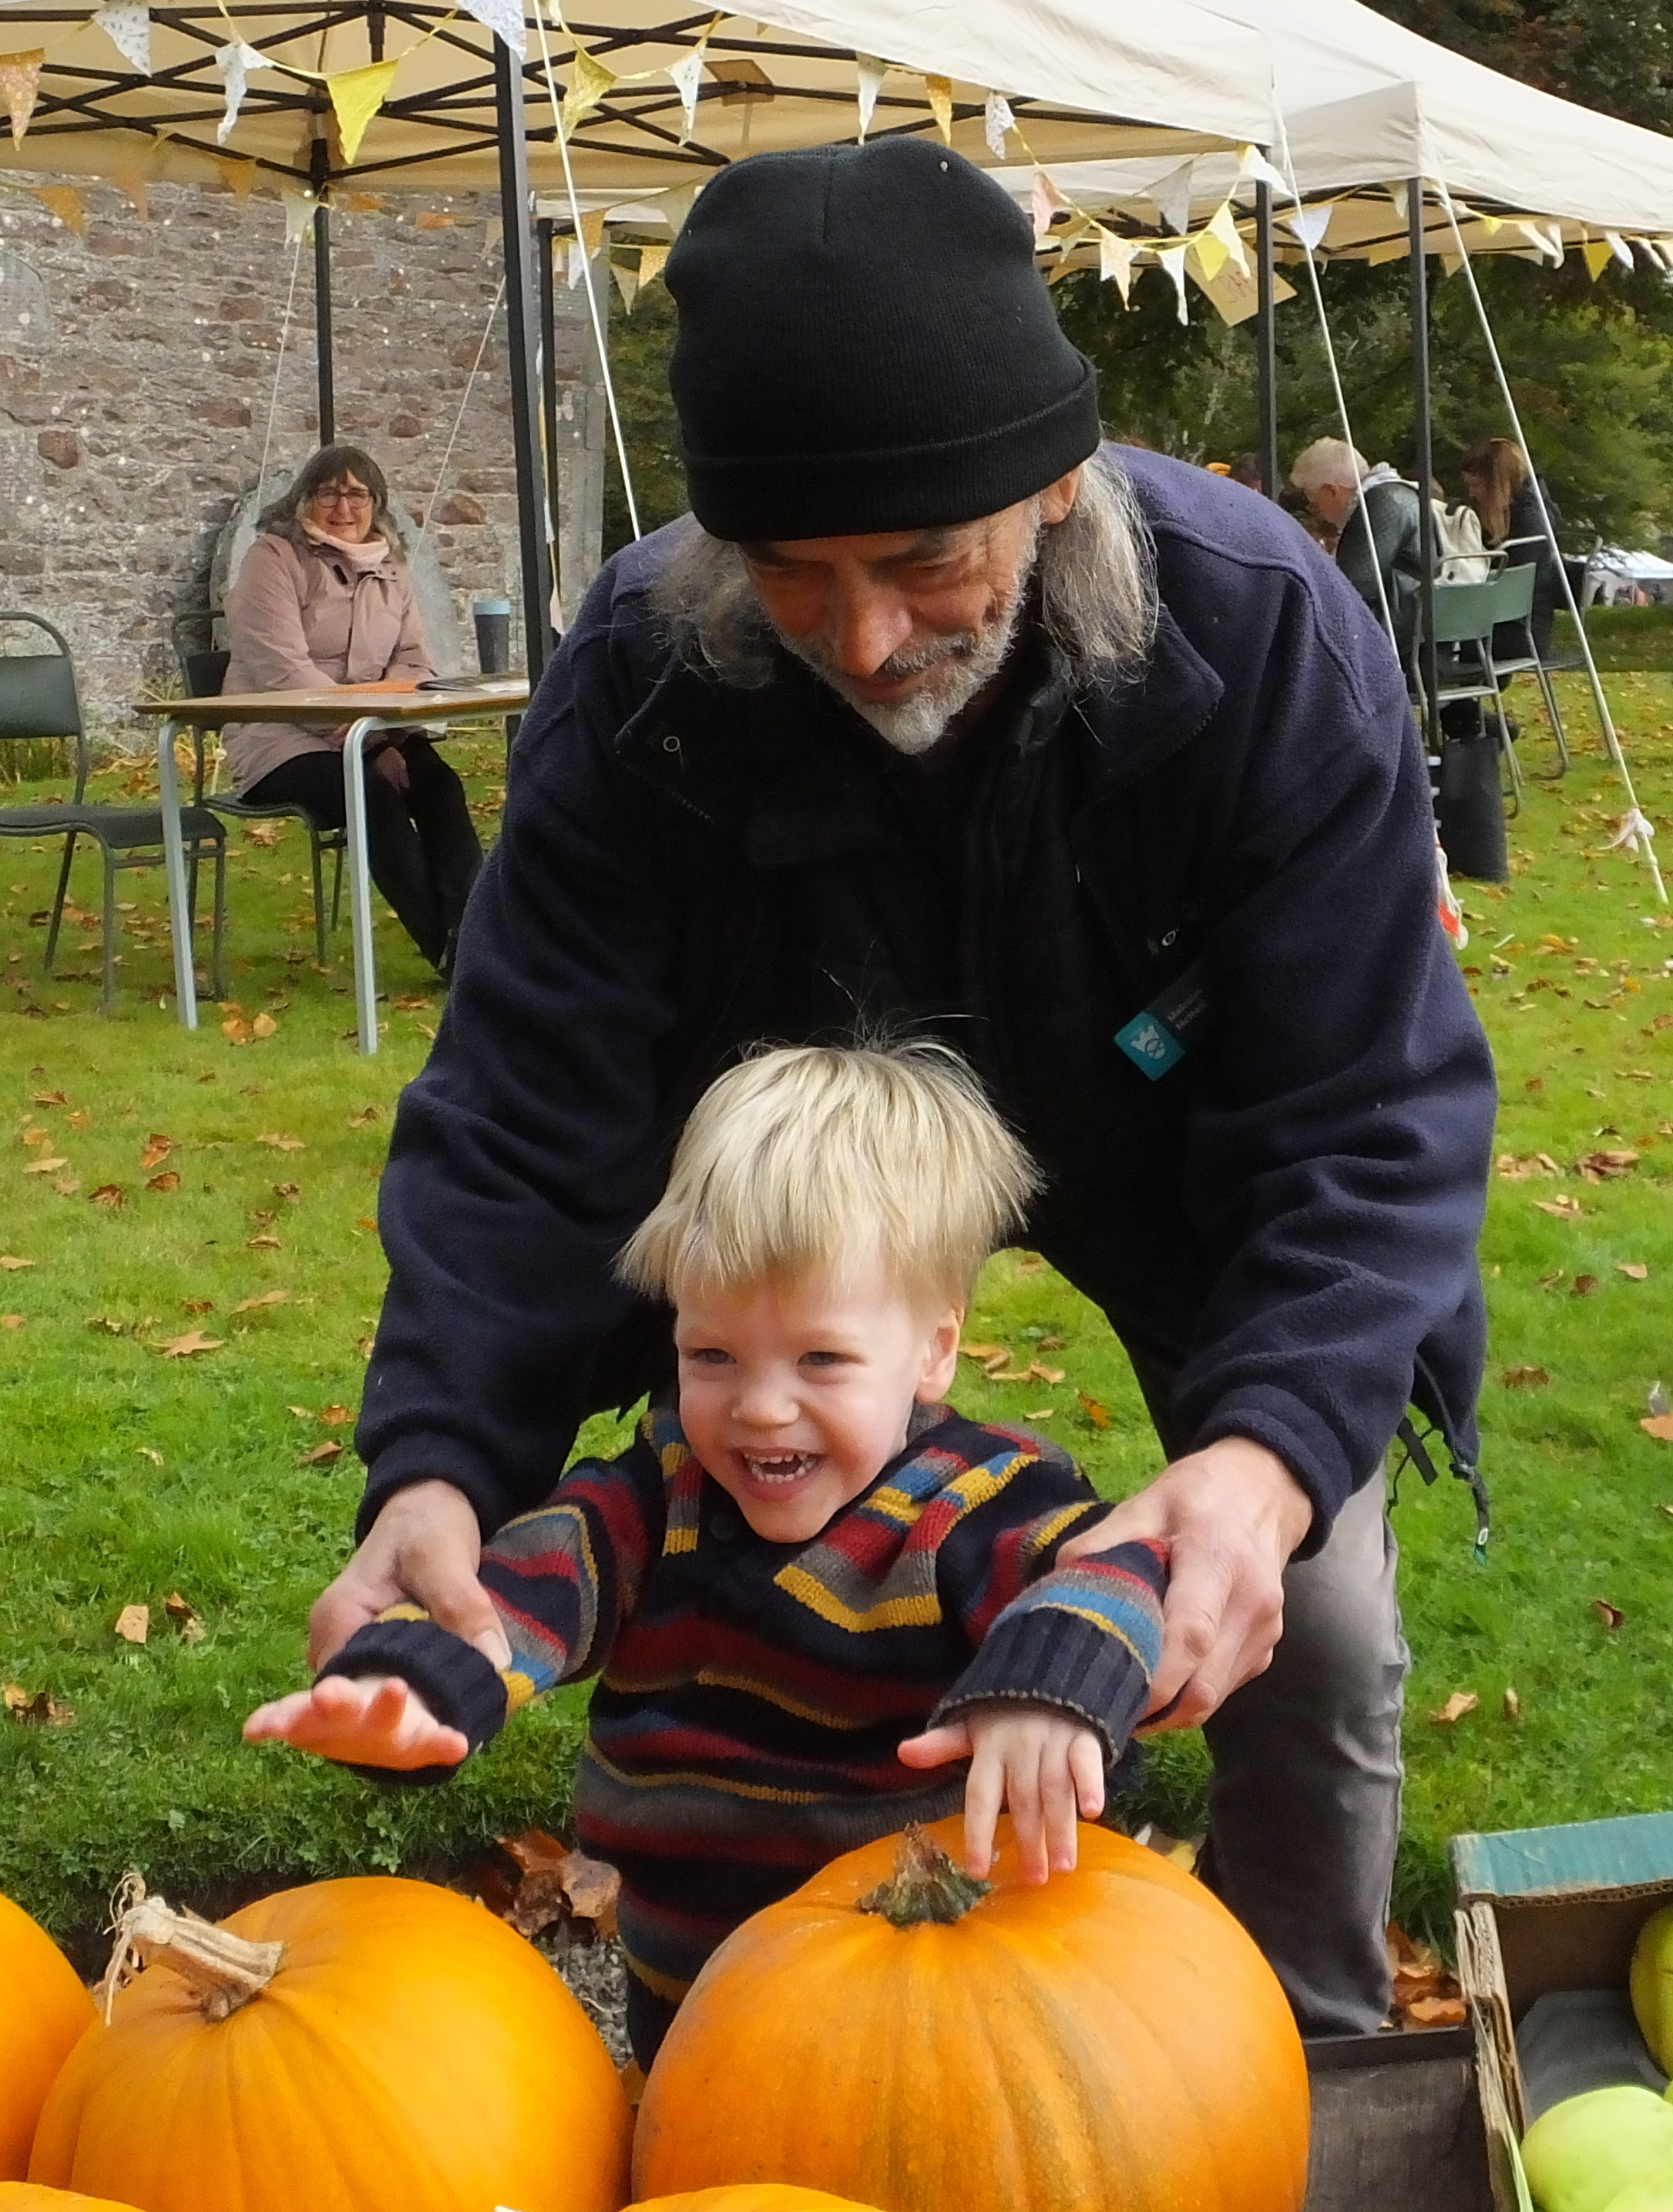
{"points": [[640, 346]]}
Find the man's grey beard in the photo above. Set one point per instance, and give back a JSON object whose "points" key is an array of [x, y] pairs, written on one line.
{"points": [[965, 664]]}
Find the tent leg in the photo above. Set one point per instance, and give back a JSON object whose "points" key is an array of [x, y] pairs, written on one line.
{"points": [[1266, 346], [1422, 456], [549, 389], [521, 311], [324, 343]]}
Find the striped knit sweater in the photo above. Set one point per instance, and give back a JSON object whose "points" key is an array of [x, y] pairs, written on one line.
{"points": [[752, 1694]]}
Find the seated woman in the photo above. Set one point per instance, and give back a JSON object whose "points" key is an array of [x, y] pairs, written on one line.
{"points": [[1498, 485], [323, 598], [1346, 493]]}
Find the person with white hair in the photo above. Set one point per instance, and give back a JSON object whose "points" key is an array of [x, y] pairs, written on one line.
{"points": [[1374, 513]]}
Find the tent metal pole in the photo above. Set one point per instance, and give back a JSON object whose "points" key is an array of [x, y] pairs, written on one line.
{"points": [[319, 164], [549, 376], [1422, 456], [521, 313], [1266, 344]]}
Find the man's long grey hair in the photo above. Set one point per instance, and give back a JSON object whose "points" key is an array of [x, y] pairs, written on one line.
{"points": [[1095, 573]]}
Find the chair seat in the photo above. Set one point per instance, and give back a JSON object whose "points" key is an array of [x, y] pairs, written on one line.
{"points": [[120, 827]]}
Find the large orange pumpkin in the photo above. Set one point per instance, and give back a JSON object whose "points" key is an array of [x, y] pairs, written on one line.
{"points": [[31, 2196], [744, 2197], [1110, 2042], [44, 2014], [369, 2045]]}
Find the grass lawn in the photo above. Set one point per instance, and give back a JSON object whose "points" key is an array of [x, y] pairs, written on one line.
{"points": [[133, 1468]]}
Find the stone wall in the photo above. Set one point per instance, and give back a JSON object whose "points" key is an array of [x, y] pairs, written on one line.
{"points": [[132, 418]]}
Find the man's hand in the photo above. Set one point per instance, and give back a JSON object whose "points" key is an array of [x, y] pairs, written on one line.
{"points": [[1040, 1762], [1230, 1514], [425, 1545], [391, 764], [377, 1722]]}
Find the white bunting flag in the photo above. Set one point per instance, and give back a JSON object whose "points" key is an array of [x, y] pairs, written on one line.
{"points": [[235, 61], [1115, 263], [127, 24], [503, 18], [871, 70], [997, 121], [687, 74], [1310, 225], [1171, 197], [1172, 258], [1619, 247], [298, 214], [1254, 168], [1046, 200]]}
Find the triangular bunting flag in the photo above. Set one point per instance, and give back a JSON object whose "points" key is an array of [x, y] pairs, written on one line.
{"points": [[871, 71], [651, 260], [1223, 227], [590, 236], [20, 86], [940, 91], [1452, 263], [997, 121], [1172, 258], [627, 282], [504, 19], [1115, 263], [675, 206], [1254, 168], [1208, 251], [1171, 197], [1310, 225], [687, 73], [127, 24], [589, 81], [65, 202], [356, 96], [1597, 257], [239, 176], [1401, 198], [360, 203], [298, 214], [1619, 247], [235, 61], [136, 187], [1045, 199]]}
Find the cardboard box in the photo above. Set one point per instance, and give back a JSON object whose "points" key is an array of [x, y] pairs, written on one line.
{"points": [[1539, 1910]]}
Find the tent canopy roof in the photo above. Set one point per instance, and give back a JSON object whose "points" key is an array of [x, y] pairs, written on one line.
{"points": [[1085, 78]]}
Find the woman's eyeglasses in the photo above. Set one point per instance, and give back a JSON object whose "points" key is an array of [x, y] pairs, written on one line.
{"points": [[337, 496]]}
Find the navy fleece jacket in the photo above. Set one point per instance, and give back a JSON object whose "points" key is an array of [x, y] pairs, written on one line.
{"points": [[1285, 1223]]}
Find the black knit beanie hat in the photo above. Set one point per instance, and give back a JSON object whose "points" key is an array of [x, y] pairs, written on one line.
{"points": [[866, 344]]}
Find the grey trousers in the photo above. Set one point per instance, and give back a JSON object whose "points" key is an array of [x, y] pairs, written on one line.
{"points": [[1303, 1806]]}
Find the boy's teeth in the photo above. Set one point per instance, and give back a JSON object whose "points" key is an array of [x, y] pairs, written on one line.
{"points": [[782, 1466]]}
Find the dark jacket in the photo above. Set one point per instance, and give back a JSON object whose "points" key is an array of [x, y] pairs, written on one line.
{"points": [[1286, 1219], [1524, 535], [1394, 545]]}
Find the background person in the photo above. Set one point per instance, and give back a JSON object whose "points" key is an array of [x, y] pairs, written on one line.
{"points": [[323, 598], [1342, 490], [1498, 485]]}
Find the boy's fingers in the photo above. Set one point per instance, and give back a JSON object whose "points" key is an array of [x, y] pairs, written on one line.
{"points": [[983, 1794], [1086, 1765], [275, 1718], [1057, 1795], [1023, 1793], [936, 1747]]}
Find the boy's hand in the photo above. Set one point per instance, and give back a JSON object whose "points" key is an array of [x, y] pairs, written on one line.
{"points": [[1038, 1762], [375, 1722]]}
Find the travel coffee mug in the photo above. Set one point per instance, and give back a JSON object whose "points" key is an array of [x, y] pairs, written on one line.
{"points": [[493, 635]]}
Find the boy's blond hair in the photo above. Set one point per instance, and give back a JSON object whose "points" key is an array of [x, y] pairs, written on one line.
{"points": [[803, 1160]]}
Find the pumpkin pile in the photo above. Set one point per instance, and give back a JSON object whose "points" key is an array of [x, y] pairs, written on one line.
{"points": [[894, 2038]]}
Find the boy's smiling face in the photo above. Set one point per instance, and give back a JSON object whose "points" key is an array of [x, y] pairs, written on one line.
{"points": [[796, 1395]]}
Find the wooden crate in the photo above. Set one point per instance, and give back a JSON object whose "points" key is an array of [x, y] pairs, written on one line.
{"points": [[1397, 2124]]}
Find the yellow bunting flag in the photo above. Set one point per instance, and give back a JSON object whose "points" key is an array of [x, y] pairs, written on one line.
{"points": [[1210, 254], [1598, 257], [940, 91], [239, 177], [584, 246], [1223, 226], [20, 83], [356, 96], [361, 203], [65, 202], [298, 214], [588, 83], [135, 188], [651, 260]]}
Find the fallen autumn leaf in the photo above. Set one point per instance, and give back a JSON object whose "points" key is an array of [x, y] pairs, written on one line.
{"points": [[157, 1150], [41, 1711], [182, 1347], [165, 1183], [1635, 1270], [133, 1623], [322, 1455], [266, 1299], [49, 1166], [1524, 1378], [11, 1263], [1098, 1415], [1610, 1615], [1460, 1703], [280, 1143], [110, 1195], [1564, 1208]]}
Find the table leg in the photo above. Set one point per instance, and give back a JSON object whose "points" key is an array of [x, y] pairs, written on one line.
{"points": [[174, 864], [359, 881]]}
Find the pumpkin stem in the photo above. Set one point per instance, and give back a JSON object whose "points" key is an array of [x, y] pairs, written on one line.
{"points": [[226, 1969], [924, 1886]]}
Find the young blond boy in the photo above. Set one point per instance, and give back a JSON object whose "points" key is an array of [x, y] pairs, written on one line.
{"points": [[816, 1583]]}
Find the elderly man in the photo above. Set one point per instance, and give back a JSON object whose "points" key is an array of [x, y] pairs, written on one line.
{"points": [[939, 716], [1375, 515]]}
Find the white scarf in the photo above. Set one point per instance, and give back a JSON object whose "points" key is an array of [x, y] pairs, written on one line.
{"points": [[365, 554]]}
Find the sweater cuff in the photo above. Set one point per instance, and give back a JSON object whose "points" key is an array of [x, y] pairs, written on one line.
{"points": [[1086, 1640], [462, 1688]]}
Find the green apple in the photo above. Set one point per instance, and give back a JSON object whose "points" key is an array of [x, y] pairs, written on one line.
{"points": [[1652, 1986], [1583, 2153], [1650, 2192]]}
